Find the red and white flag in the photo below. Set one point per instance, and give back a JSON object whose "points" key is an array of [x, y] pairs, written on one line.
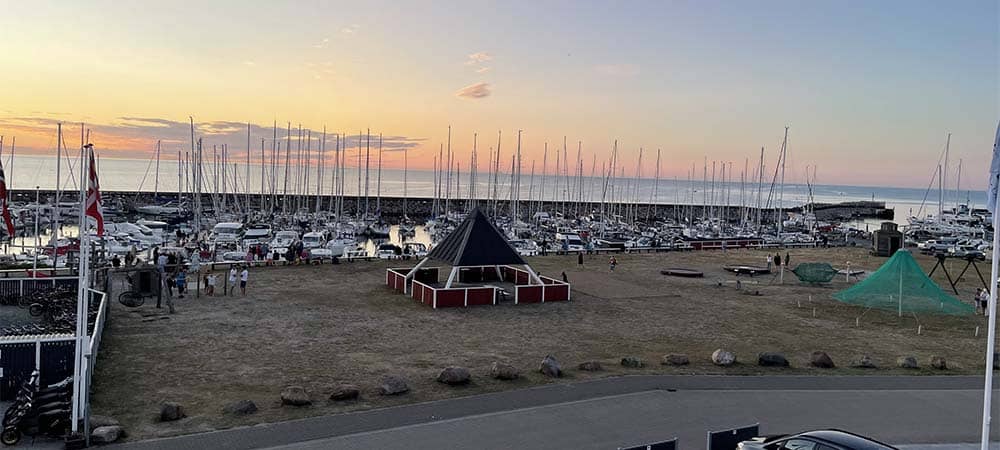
{"points": [[94, 209], [4, 204]]}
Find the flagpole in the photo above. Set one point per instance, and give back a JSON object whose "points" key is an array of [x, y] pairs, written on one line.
{"points": [[81, 296], [992, 308]]}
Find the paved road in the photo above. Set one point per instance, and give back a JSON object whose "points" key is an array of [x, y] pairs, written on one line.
{"points": [[621, 411]]}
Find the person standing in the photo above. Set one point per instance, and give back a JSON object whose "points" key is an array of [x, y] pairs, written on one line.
{"points": [[777, 260], [770, 260], [232, 280], [788, 259], [612, 263], [181, 283], [244, 277]]}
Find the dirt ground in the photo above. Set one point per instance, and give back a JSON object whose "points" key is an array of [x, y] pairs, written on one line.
{"points": [[318, 326]]}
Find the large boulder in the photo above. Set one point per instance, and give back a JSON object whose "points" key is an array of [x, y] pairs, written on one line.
{"points": [[345, 392], [295, 396], [550, 367], [97, 421], [240, 408], [454, 375], [171, 411], [907, 362], [722, 357], [106, 434], [633, 361], [393, 385], [772, 359], [590, 366], [503, 371], [939, 363], [821, 360], [864, 362], [676, 359]]}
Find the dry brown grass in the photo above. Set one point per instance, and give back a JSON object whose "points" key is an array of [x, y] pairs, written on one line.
{"points": [[322, 325]]}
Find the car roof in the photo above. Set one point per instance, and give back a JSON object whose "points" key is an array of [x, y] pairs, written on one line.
{"points": [[845, 439]]}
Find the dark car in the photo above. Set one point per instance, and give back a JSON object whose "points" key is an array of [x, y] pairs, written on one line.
{"points": [[815, 440]]}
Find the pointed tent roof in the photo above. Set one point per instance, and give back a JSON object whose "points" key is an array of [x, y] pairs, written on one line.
{"points": [[476, 242], [902, 277]]}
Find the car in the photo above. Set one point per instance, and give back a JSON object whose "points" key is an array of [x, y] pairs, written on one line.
{"points": [[831, 439], [966, 252]]}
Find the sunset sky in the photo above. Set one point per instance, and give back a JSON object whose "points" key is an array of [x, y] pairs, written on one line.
{"points": [[870, 89]]}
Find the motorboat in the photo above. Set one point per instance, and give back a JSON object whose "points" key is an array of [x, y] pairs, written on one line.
{"points": [[226, 233], [388, 251], [258, 233], [313, 239]]}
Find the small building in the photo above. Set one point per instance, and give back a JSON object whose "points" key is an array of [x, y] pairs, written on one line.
{"points": [[484, 270], [886, 240]]}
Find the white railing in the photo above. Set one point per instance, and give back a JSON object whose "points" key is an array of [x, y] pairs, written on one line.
{"points": [[89, 361]]}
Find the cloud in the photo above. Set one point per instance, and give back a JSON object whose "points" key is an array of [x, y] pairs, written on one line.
{"points": [[135, 137], [618, 70], [350, 29], [249, 63], [483, 69], [475, 91], [478, 58]]}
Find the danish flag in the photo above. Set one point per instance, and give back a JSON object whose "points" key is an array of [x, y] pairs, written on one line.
{"points": [[94, 194], [3, 204]]}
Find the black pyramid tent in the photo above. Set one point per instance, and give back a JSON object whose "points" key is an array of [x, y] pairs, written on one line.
{"points": [[475, 243]]}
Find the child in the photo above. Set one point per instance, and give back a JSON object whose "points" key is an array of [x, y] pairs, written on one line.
{"points": [[612, 263], [181, 283], [211, 284]]}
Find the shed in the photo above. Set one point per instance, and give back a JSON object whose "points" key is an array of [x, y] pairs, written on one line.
{"points": [[886, 240]]}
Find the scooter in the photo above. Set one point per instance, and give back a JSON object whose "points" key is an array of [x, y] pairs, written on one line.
{"points": [[38, 411]]}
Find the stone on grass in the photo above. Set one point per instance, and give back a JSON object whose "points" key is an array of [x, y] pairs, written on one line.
{"points": [[676, 359], [106, 434], [345, 392], [170, 411], [295, 396], [97, 421], [454, 375], [722, 357], [393, 385], [907, 362], [503, 371], [240, 408], [633, 361], [550, 367], [772, 359], [821, 360], [939, 363], [591, 366], [864, 362]]}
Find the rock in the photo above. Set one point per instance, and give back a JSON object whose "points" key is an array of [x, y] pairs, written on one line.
{"points": [[393, 385], [97, 421], [503, 371], [772, 359], [170, 411], [550, 367], [345, 392], [907, 362], [633, 361], [722, 357], [454, 375], [939, 363], [864, 362], [106, 434], [591, 366], [821, 360], [996, 361], [676, 359], [295, 396], [240, 408]]}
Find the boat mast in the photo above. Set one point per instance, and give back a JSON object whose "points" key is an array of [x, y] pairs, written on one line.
{"points": [[378, 182], [288, 154], [781, 188]]}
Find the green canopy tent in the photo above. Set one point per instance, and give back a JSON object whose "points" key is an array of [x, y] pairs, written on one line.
{"points": [[900, 285]]}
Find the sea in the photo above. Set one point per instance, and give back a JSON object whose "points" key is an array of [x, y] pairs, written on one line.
{"points": [[29, 171]]}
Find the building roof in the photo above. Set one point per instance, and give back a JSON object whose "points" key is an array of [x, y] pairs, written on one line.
{"points": [[476, 242]]}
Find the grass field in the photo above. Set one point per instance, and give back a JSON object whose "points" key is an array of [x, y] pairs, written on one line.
{"points": [[318, 326]]}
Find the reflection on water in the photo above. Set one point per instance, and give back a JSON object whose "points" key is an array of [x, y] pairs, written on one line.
{"points": [[421, 235]]}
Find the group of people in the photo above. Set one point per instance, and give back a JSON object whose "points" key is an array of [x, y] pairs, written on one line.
{"points": [[776, 260], [243, 275]]}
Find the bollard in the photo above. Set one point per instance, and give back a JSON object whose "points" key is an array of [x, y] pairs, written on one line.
{"points": [[814, 312], [977, 331], [919, 329], [857, 322]]}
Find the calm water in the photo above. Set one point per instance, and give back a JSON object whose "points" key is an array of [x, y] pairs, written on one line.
{"points": [[26, 172]]}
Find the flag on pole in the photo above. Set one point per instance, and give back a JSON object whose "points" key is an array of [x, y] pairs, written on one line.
{"points": [[991, 194], [4, 204], [94, 209]]}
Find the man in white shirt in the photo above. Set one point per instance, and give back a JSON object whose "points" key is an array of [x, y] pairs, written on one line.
{"points": [[232, 280], [244, 276]]}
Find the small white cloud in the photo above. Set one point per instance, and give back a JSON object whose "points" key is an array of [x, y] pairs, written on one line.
{"points": [[618, 70], [350, 29], [475, 91], [249, 63], [483, 69], [479, 58]]}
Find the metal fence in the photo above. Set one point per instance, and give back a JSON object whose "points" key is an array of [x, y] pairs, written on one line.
{"points": [[11, 287], [728, 439]]}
